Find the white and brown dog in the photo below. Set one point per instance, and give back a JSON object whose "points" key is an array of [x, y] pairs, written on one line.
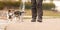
{"points": [[18, 16]]}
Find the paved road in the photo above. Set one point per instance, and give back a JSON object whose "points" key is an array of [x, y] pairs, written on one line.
{"points": [[47, 24]]}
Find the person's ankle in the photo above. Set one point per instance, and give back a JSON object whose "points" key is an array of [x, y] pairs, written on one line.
{"points": [[33, 20], [39, 20]]}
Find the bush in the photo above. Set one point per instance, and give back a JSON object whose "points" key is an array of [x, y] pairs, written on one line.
{"points": [[48, 6], [13, 4], [9, 4], [28, 5], [1, 5], [45, 6]]}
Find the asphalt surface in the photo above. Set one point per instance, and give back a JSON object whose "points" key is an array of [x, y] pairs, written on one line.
{"points": [[47, 24]]}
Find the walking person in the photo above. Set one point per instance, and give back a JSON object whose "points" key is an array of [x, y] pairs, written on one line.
{"points": [[37, 10]]}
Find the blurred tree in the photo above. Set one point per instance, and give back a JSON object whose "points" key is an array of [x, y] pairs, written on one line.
{"points": [[48, 6], [1, 5], [51, 1]]}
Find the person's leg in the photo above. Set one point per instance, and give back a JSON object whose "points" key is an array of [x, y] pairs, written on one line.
{"points": [[39, 10], [34, 11]]}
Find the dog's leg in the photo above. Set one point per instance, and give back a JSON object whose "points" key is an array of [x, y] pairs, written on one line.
{"points": [[21, 18]]}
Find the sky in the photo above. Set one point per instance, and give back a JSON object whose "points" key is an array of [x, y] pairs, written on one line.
{"points": [[57, 3]]}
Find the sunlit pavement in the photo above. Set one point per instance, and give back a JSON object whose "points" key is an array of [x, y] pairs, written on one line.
{"points": [[47, 24]]}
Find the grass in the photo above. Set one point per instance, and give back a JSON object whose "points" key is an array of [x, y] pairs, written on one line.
{"points": [[50, 13], [45, 13]]}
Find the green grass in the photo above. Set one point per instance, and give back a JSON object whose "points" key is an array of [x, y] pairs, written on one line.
{"points": [[50, 13], [45, 13]]}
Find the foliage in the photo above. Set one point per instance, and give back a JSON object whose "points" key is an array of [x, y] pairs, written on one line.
{"points": [[28, 5], [45, 6], [48, 6], [1, 5], [14, 4]]}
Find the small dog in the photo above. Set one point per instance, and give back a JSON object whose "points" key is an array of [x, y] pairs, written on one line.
{"points": [[18, 15]]}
